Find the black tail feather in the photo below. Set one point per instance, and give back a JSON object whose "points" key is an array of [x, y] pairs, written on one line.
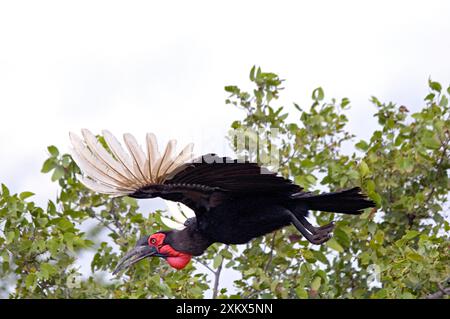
{"points": [[350, 201]]}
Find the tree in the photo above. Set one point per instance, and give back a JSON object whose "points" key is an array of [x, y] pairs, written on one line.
{"points": [[400, 250]]}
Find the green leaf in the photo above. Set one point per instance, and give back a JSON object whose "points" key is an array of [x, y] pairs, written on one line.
{"points": [[318, 94], [232, 89], [236, 124], [320, 256], [414, 257], [258, 73], [311, 179], [363, 169], [301, 293], [10, 237], [405, 164], [315, 285], [30, 281], [370, 186], [252, 73], [64, 224], [444, 101], [5, 191], [362, 145], [53, 245], [49, 164], [429, 97], [308, 255], [372, 227], [333, 244], [217, 261], [431, 142], [411, 234], [436, 86], [53, 151], [342, 237], [226, 254], [379, 236], [25, 195], [58, 173], [66, 160], [47, 270], [345, 101]]}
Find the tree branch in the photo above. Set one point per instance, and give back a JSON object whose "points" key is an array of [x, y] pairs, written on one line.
{"points": [[116, 218], [272, 247], [216, 274], [106, 225], [438, 294], [204, 264], [216, 280]]}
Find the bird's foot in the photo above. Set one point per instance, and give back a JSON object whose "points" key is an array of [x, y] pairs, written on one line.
{"points": [[321, 234], [319, 239], [326, 227], [315, 235]]}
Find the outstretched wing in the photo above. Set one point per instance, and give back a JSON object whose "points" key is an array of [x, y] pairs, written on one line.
{"points": [[200, 184], [209, 180], [117, 172], [231, 175]]}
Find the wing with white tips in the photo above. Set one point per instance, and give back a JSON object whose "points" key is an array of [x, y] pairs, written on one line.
{"points": [[153, 155], [117, 172], [138, 157]]}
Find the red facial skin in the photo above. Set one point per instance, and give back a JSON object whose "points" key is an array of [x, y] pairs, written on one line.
{"points": [[176, 259]]}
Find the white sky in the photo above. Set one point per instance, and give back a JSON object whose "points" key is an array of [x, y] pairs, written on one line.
{"points": [[161, 66]]}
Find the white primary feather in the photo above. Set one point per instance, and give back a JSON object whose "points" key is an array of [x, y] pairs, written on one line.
{"points": [[152, 154], [165, 161], [91, 184], [95, 174], [101, 153], [138, 157], [123, 173], [184, 156], [121, 155], [92, 165]]}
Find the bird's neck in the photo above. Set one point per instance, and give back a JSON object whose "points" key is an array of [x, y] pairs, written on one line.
{"points": [[188, 240]]}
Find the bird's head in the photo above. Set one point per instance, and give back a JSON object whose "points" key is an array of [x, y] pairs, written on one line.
{"points": [[156, 245]]}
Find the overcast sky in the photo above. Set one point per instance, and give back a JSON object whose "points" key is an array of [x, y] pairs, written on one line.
{"points": [[160, 66]]}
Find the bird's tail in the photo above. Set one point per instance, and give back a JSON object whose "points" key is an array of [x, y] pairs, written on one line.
{"points": [[350, 201]]}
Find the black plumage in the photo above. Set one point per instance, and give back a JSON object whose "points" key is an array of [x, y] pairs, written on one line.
{"points": [[235, 202]]}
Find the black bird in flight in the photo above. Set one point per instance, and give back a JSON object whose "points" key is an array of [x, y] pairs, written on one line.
{"points": [[233, 201]]}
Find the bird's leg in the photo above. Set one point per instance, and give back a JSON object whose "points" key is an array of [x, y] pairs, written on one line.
{"points": [[315, 235], [314, 230]]}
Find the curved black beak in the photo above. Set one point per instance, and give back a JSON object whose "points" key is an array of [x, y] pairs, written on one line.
{"points": [[136, 254]]}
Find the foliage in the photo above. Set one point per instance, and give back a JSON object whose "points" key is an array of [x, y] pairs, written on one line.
{"points": [[403, 245], [399, 250], [39, 246]]}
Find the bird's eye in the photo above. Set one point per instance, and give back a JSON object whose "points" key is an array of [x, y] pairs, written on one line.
{"points": [[153, 241]]}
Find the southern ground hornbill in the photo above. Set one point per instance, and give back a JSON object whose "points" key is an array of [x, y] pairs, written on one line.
{"points": [[233, 201]]}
